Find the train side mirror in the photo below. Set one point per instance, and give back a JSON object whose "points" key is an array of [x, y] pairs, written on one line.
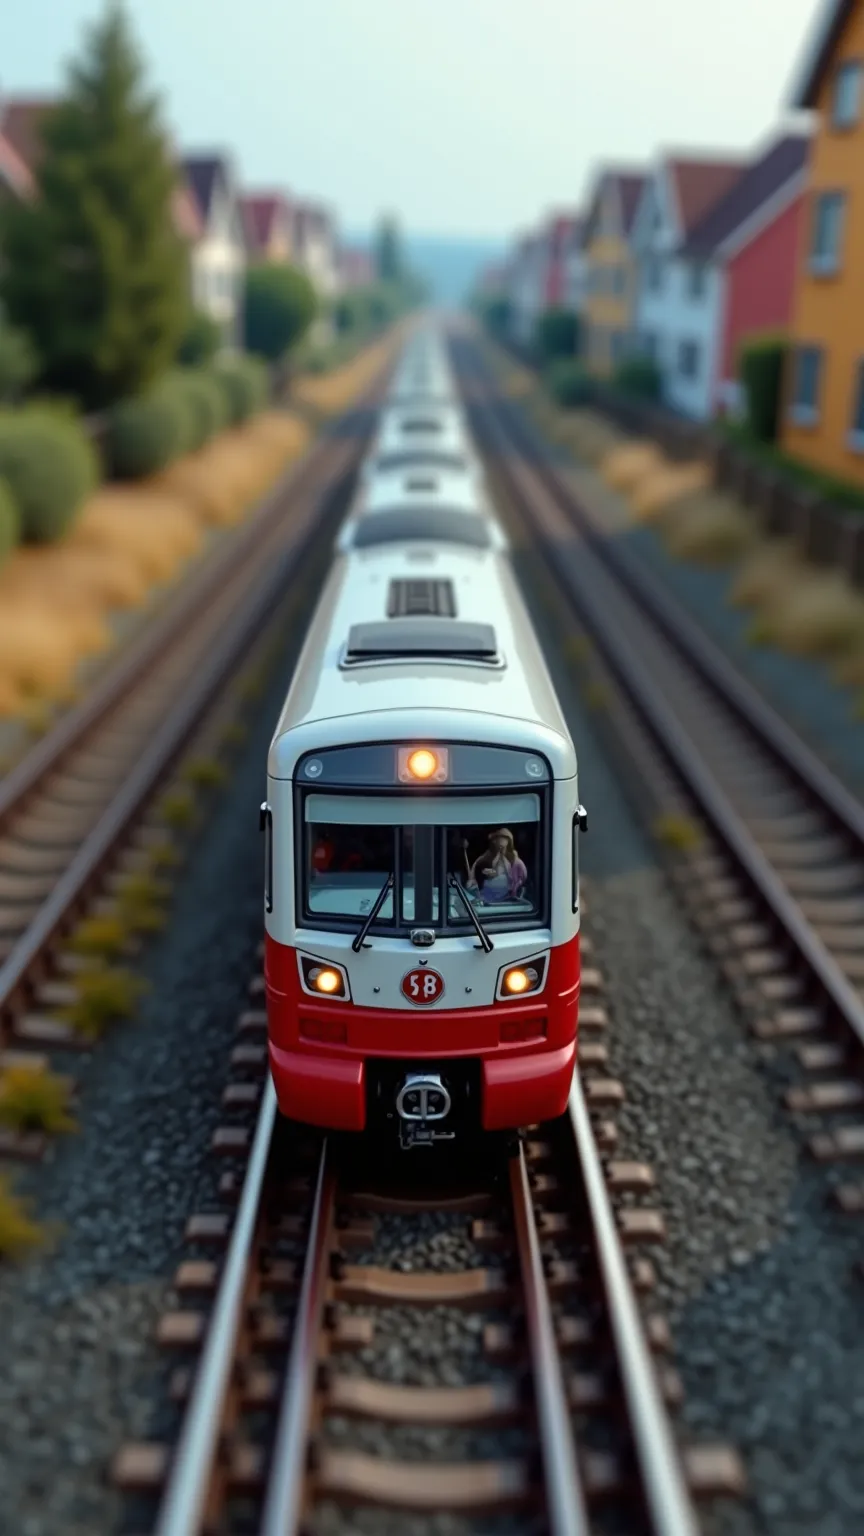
{"points": [[580, 819]]}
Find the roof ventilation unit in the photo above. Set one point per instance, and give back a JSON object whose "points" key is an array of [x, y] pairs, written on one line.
{"points": [[427, 639], [421, 599]]}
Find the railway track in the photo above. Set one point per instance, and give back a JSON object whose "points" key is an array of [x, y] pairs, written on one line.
{"points": [[69, 804], [347, 1300], [777, 884]]}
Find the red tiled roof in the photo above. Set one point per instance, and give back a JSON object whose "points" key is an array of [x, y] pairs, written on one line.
{"points": [[13, 171], [777, 167], [184, 210], [259, 216], [700, 183], [20, 122]]}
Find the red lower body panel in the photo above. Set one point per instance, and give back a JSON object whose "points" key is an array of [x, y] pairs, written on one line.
{"points": [[325, 1084]]}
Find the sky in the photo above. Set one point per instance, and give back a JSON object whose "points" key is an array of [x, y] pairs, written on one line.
{"points": [[468, 118]]}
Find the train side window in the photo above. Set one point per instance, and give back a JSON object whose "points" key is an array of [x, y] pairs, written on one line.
{"points": [[580, 824], [265, 822]]}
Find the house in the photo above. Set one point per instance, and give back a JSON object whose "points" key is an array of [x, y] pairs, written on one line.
{"points": [[219, 255], [678, 295], [749, 241], [268, 227], [526, 287], [609, 279], [575, 267], [315, 247], [823, 405], [560, 240], [356, 269], [16, 179]]}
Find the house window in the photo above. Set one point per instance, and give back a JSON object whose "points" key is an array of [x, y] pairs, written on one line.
{"points": [[654, 274], [649, 346], [846, 105], [696, 278], [806, 384], [688, 359], [856, 433], [827, 231]]}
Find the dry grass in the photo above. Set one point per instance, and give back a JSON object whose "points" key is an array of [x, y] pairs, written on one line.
{"points": [[18, 1233], [589, 436], [140, 899], [763, 575], [32, 1099], [331, 393], [177, 809], [802, 609], [678, 832], [100, 938], [666, 485], [103, 997], [56, 602], [708, 530], [204, 773], [627, 466]]}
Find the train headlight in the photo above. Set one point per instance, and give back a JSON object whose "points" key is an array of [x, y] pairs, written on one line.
{"points": [[424, 765], [322, 978], [521, 980]]}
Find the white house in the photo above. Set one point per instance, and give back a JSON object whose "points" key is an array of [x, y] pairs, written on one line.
{"points": [[526, 286], [575, 266], [679, 297], [316, 248], [219, 255]]}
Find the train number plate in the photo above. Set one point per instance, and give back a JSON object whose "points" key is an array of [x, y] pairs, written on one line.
{"points": [[422, 987]]}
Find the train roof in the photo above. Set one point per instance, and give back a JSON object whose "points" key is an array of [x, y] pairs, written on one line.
{"points": [[430, 642], [439, 427], [422, 483], [422, 524], [431, 457]]}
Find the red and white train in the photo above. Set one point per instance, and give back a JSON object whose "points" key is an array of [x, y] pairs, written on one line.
{"points": [[422, 826]]}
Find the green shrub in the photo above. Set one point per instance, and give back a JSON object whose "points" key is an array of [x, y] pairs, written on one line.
{"points": [[200, 402], [50, 467], [245, 384], [557, 334], [761, 369], [639, 377], [10, 522], [201, 341], [568, 383], [19, 364], [144, 435]]}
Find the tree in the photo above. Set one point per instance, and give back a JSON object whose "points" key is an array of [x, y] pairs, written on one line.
{"points": [[280, 306], [389, 257], [92, 267], [640, 378], [18, 363]]}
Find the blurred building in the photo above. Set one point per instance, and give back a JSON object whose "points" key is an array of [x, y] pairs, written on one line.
{"points": [[678, 292], [824, 391], [316, 248], [268, 226], [356, 269], [218, 255], [610, 273]]}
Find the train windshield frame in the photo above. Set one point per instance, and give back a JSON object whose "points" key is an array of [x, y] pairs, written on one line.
{"points": [[496, 842]]}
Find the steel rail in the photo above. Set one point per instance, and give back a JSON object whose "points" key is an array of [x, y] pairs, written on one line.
{"points": [[286, 1491], [581, 586], [183, 1506], [664, 1486], [565, 1497], [156, 761]]}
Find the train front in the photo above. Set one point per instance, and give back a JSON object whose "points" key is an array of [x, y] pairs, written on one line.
{"points": [[422, 935]]}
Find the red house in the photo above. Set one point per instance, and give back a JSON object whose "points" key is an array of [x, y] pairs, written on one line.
{"points": [[752, 234]]}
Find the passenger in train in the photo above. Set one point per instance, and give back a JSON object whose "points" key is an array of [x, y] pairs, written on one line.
{"points": [[499, 873]]}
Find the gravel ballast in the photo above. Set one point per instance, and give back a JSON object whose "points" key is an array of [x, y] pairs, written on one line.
{"points": [[82, 1373]]}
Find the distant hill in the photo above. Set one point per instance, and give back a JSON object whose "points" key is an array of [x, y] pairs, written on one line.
{"points": [[449, 266]]}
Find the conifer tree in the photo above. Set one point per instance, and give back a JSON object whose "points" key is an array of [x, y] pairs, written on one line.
{"points": [[92, 267]]}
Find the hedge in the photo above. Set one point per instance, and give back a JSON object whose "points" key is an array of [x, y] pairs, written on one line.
{"points": [[200, 403], [761, 367], [568, 383], [10, 522], [640, 378], [145, 435], [245, 384], [50, 467]]}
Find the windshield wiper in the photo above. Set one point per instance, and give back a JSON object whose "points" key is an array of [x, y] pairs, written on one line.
{"points": [[485, 941], [357, 944]]}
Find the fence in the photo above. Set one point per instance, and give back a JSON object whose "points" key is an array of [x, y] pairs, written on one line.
{"points": [[825, 531]]}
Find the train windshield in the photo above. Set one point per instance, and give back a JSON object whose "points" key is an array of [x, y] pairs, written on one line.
{"points": [[492, 845]]}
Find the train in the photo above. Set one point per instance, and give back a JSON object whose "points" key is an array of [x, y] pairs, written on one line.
{"points": [[422, 822]]}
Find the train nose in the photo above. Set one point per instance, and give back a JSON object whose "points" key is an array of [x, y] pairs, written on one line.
{"points": [[423, 1103]]}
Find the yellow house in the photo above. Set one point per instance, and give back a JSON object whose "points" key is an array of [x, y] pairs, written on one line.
{"points": [[823, 406], [610, 270]]}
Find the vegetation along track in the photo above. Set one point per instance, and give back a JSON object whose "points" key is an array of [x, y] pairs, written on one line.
{"points": [[67, 805], [778, 882], [375, 1352]]}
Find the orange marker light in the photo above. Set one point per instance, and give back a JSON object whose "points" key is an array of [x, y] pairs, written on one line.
{"points": [[422, 763]]}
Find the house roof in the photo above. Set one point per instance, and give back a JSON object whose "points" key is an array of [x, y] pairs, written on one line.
{"points": [[628, 184], [822, 44], [779, 165], [20, 121], [185, 212], [205, 173], [699, 183], [259, 213], [13, 172]]}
